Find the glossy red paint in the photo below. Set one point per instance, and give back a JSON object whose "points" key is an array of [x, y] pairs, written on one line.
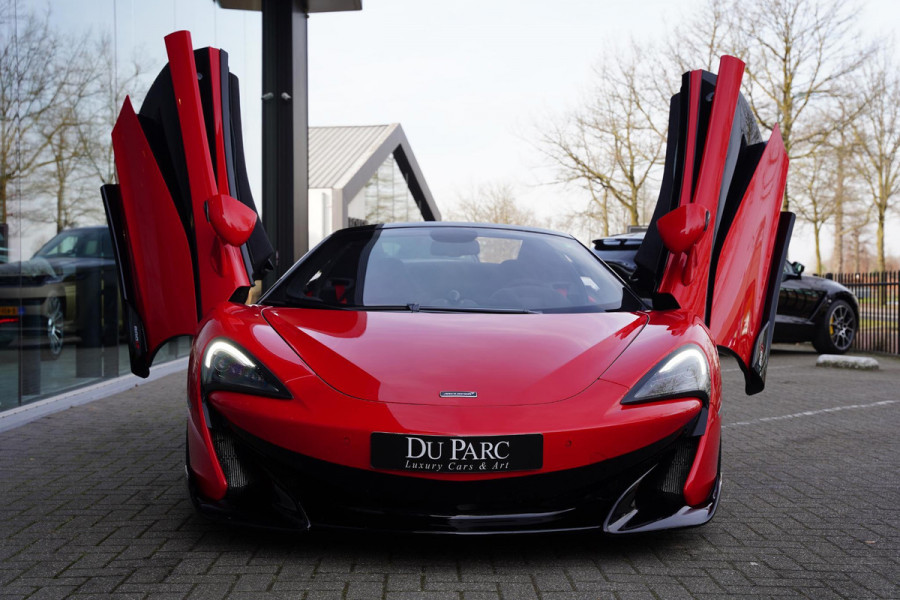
{"points": [[664, 332], [684, 269], [705, 470], [690, 149], [410, 358], [323, 423], [232, 220], [215, 75], [681, 228], [351, 373], [222, 270], [745, 262], [201, 457], [155, 235]]}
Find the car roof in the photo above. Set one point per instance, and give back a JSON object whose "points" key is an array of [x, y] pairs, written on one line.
{"points": [[620, 240], [86, 228], [459, 224]]}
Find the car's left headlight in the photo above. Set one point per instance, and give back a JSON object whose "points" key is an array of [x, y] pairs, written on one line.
{"points": [[227, 366], [685, 372]]}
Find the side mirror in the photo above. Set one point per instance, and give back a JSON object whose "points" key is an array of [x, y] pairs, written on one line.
{"points": [[232, 221], [681, 228], [798, 268]]}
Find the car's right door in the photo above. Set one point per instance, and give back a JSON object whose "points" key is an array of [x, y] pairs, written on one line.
{"points": [[715, 245]]}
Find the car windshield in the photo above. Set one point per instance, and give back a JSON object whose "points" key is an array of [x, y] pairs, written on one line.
{"points": [[452, 269]]}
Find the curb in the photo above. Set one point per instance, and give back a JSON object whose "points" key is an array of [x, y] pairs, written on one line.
{"points": [[16, 417], [863, 363]]}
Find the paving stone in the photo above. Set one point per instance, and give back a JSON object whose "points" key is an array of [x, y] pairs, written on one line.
{"points": [[404, 583], [808, 510]]}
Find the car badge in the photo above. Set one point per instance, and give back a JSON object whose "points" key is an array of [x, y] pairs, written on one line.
{"points": [[459, 394]]}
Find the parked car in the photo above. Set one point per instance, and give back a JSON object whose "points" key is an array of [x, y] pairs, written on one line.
{"points": [[810, 309], [38, 296], [443, 377]]}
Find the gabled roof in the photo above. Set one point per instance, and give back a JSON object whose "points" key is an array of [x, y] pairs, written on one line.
{"points": [[347, 157], [336, 153]]}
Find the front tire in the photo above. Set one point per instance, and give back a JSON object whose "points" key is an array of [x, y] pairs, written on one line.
{"points": [[837, 330]]}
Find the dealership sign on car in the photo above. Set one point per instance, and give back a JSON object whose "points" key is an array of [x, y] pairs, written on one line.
{"points": [[448, 377]]}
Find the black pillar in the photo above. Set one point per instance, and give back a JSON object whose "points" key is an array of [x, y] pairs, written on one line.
{"points": [[285, 131], [88, 320]]}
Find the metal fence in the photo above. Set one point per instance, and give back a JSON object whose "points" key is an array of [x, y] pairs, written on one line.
{"points": [[879, 309]]}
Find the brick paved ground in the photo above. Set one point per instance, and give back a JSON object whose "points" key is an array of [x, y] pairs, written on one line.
{"points": [[93, 505]]}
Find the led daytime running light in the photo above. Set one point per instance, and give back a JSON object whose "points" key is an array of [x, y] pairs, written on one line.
{"points": [[226, 348], [228, 367], [685, 372]]}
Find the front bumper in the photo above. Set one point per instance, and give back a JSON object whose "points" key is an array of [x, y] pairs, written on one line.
{"points": [[272, 487]]}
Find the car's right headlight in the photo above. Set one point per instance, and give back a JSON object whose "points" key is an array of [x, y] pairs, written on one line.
{"points": [[227, 366], [685, 372]]}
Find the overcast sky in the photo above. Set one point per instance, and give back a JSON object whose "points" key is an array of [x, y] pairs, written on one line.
{"points": [[469, 80]]}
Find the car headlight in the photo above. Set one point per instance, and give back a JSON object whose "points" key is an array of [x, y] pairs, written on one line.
{"points": [[685, 372], [227, 366]]}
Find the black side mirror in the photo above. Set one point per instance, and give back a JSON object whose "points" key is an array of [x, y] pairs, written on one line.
{"points": [[798, 268]]}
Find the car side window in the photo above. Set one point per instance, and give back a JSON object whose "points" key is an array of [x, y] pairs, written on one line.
{"points": [[64, 247]]}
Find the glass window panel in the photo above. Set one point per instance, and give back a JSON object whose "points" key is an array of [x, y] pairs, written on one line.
{"points": [[60, 313]]}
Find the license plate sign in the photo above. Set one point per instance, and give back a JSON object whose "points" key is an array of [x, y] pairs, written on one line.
{"points": [[467, 454], [9, 311]]}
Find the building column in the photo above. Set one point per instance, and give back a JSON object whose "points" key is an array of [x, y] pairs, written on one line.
{"points": [[285, 128]]}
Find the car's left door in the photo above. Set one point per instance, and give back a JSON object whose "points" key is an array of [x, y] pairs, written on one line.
{"points": [[184, 227]]}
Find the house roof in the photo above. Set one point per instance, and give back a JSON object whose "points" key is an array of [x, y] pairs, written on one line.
{"points": [[336, 153], [347, 157]]}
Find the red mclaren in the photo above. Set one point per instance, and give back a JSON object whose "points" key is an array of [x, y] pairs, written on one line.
{"points": [[450, 378]]}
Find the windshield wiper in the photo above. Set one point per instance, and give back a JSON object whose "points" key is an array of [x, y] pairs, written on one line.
{"points": [[411, 307], [304, 302], [479, 309]]}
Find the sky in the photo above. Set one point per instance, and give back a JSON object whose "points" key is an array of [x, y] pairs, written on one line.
{"points": [[470, 81]]}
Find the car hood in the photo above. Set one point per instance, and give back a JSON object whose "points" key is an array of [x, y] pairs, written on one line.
{"points": [[410, 358], [41, 268], [36, 267], [821, 283]]}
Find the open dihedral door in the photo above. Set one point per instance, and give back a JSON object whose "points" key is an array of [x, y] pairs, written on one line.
{"points": [[184, 226], [717, 239]]}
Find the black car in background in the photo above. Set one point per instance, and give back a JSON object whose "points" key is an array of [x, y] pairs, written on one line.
{"points": [[38, 296], [810, 309]]}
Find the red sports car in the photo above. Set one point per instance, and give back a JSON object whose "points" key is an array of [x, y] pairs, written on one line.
{"points": [[452, 378]]}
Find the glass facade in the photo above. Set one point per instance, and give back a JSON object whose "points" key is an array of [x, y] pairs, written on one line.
{"points": [[384, 199], [65, 70]]}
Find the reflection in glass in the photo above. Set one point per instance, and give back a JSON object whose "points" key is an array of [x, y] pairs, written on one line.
{"points": [[385, 198], [64, 74], [462, 269]]}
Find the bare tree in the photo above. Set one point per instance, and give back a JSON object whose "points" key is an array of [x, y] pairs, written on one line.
{"points": [[704, 36], [848, 188], [495, 203], [67, 179], [841, 201], [614, 145], [112, 84], [57, 109], [876, 132], [30, 89], [817, 208], [798, 54]]}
